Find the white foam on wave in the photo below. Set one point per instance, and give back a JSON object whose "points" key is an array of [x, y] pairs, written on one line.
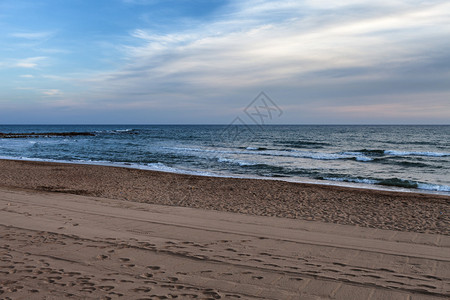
{"points": [[415, 153], [291, 153], [236, 161], [124, 130], [433, 187], [420, 186], [114, 130], [358, 156], [355, 180], [150, 166]]}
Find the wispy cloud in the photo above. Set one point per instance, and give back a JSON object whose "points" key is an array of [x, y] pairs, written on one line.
{"points": [[32, 35], [30, 62], [250, 46], [27, 76], [51, 92]]}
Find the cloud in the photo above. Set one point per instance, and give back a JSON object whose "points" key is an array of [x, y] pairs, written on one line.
{"points": [[31, 62], [51, 92], [27, 76], [32, 35], [289, 44]]}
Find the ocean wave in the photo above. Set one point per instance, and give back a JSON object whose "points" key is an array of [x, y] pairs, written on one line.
{"points": [[415, 153], [117, 131], [357, 156], [403, 163], [235, 161], [255, 148], [285, 153], [302, 144], [393, 182], [433, 187], [355, 180], [160, 167], [370, 152], [331, 156], [379, 152]]}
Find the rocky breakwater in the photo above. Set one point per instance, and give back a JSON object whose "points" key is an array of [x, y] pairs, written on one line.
{"points": [[42, 134]]}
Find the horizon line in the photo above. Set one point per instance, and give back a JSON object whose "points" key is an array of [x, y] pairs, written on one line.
{"points": [[223, 124]]}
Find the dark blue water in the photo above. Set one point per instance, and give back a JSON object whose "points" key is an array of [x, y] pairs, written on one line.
{"points": [[411, 157]]}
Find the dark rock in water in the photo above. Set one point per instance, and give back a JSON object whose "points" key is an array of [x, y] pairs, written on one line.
{"points": [[43, 134]]}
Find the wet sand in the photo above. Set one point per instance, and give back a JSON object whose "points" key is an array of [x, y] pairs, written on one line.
{"points": [[67, 232]]}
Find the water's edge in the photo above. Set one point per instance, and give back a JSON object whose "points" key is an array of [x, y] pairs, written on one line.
{"points": [[194, 173]]}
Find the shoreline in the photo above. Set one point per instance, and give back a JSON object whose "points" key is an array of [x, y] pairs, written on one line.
{"points": [[305, 180], [394, 210]]}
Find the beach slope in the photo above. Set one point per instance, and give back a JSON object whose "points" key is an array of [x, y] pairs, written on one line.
{"points": [[58, 245]]}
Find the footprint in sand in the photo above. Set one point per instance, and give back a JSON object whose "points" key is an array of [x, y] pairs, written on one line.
{"points": [[142, 289], [146, 275], [126, 281], [334, 271], [102, 256], [296, 278], [88, 289], [427, 286], [272, 265], [431, 277], [255, 259], [47, 270], [232, 296], [212, 294]]}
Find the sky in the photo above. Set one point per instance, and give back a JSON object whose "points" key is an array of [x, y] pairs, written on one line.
{"points": [[204, 62]]}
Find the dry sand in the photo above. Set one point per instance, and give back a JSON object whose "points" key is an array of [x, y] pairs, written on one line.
{"points": [[94, 245]]}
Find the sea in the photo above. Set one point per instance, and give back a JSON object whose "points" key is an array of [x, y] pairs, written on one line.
{"points": [[401, 157]]}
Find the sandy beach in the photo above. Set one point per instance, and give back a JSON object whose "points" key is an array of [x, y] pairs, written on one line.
{"points": [[96, 232]]}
